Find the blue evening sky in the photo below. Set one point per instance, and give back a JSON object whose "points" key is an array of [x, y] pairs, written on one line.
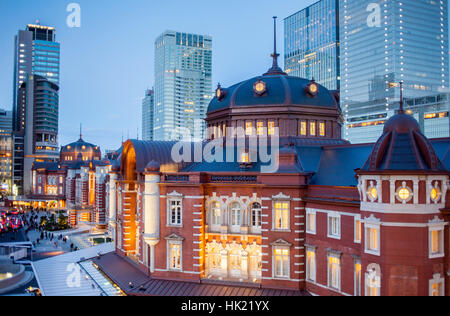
{"points": [[107, 64]]}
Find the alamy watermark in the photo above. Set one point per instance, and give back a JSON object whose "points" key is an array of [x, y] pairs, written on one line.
{"points": [[74, 18]]}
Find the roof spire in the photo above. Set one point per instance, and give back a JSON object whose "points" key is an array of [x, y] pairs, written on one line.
{"points": [[275, 70], [81, 133]]}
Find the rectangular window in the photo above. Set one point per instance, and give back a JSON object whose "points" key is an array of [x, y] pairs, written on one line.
{"points": [[303, 128], [322, 129], [357, 230], [358, 279], [271, 128], [281, 215], [312, 128], [310, 222], [260, 128], [373, 240], [248, 129], [334, 272], [334, 226], [436, 242], [311, 265], [174, 256], [175, 215], [245, 158], [281, 262], [437, 286]]}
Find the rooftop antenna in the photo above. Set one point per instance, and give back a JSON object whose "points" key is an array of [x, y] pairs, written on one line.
{"points": [[275, 70]]}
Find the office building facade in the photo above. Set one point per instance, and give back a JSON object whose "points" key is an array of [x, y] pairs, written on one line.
{"points": [[5, 151], [312, 43], [148, 108], [183, 68], [35, 137], [382, 43]]}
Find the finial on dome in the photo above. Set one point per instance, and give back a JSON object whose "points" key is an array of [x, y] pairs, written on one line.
{"points": [[275, 70], [81, 133], [401, 110]]}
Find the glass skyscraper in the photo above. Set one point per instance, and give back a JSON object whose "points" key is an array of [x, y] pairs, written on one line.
{"points": [[183, 68], [311, 40], [388, 41], [148, 109], [37, 53]]}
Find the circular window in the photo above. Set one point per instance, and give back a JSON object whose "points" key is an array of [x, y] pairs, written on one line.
{"points": [[435, 194], [260, 87], [372, 193], [404, 194]]}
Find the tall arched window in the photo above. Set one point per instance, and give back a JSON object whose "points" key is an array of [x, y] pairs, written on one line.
{"points": [[256, 217], [235, 217]]}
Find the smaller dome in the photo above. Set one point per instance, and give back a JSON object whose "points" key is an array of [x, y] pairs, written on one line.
{"points": [[152, 166], [80, 146], [402, 123]]}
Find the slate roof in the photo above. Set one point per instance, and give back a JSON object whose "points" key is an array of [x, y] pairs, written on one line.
{"points": [[281, 90], [122, 272]]}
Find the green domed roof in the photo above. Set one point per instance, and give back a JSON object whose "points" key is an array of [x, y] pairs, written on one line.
{"points": [[280, 90]]}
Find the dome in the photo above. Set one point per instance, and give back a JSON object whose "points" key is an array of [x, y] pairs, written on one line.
{"points": [[403, 147], [80, 146], [279, 89], [152, 166]]}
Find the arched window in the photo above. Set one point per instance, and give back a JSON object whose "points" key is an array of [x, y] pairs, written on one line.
{"points": [[373, 280], [235, 217], [256, 217]]}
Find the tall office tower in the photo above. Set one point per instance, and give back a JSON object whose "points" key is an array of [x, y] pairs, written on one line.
{"points": [[148, 107], [385, 42], [36, 136], [5, 152], [36, 52], [183, 68], [311, 42]]}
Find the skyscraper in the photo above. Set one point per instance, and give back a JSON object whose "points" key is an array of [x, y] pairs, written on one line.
{"points": [[5, 151], [183, 68], [36, 52], [311, 43], [148, 108], [385, 42], [35, 100], [35, 138]]}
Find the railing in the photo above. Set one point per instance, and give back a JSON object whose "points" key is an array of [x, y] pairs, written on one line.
{"points": [[232, 179]]}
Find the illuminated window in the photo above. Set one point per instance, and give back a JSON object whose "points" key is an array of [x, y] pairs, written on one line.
{"points": [[224, 130], [311, 221], [334, 271], [373, 280], [435, 194], [404, 194], [322, 129], [271, 128], [260, 128], [358, 230], [334, 225], [372, 193], [311, 265], [303, 128], [174, 212], [281, 262], [436, 241], [245, 158], [256, 214], [248, 129], [312, 128], [281, 215], [437, 285], [175, 262], [372, 239], [358, 278]]}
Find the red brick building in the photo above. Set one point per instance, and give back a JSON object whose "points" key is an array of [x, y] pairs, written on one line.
{"points": [[323, 216], [76, 183]]}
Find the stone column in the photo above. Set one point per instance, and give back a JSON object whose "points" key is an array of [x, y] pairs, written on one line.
{"points": [[151, 210]]}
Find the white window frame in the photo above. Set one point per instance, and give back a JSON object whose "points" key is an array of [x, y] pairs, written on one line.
{"points": [[286, 274], [258, 211], [232, 214], [310, 269], [334, 215], [169, 211], [213, 226], [169, 259], [375, 275], [437, 279], [440, 229], [333, 255], [312, 213], [367, 249], [358, 219], [284, 220]]}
